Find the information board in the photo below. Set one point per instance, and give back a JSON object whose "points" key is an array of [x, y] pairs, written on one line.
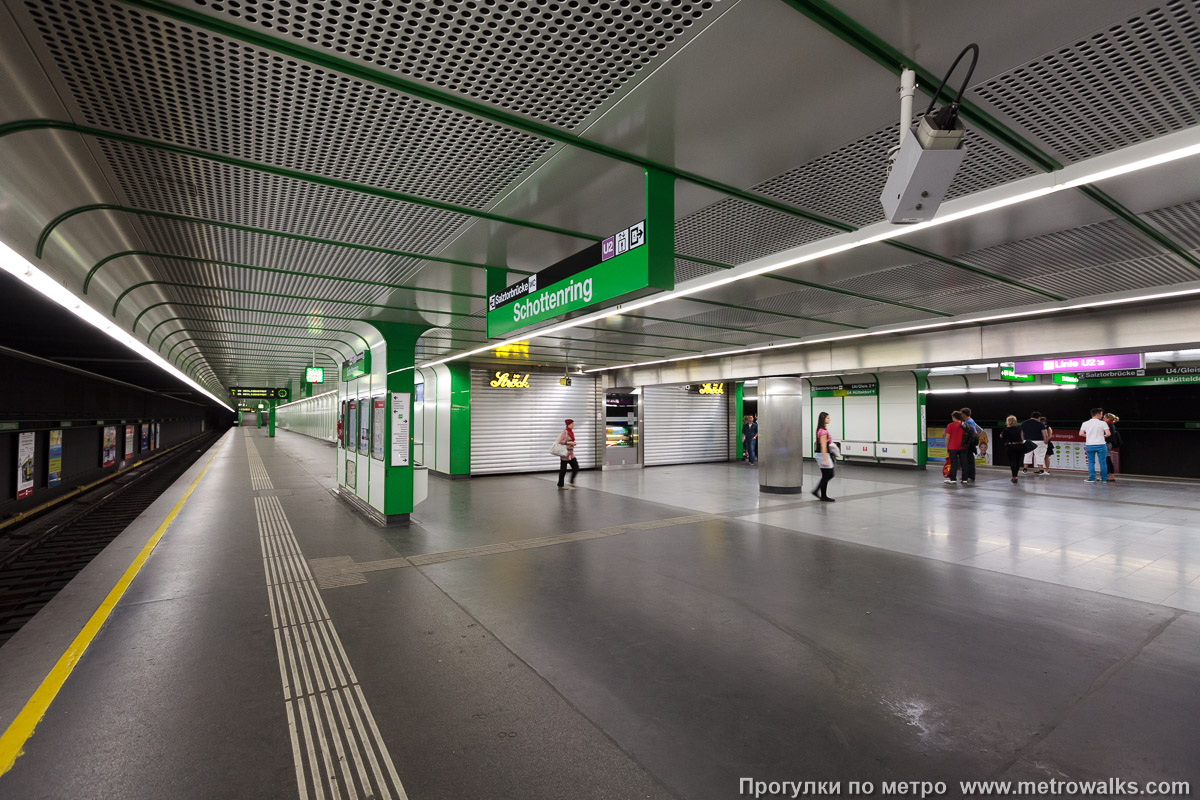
{"points": [[54, 464], [314, 374], [400, 425], [364, 426], [108, 452], [259, 392], [145, 438], [24, 464], [377, 422]]}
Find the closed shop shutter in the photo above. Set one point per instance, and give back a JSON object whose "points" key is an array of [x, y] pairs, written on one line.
{"points": [[681, 427], [512, 429]]}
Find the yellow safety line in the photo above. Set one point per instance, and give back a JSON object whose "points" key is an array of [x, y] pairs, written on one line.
{"points": [[12, 743]]}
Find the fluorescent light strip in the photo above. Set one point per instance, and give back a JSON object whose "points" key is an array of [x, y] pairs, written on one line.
{"points": [[15, 264], [990, 389], [1052, 182], [303, 399]]}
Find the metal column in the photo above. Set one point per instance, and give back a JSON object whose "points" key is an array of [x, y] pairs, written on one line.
{"points": [[780, 435]]}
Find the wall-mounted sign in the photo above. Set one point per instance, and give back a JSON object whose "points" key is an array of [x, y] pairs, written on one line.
{"points": [[866, 389], [1010, 374], [1064, 380], [145, 438], [400, 418], [1081, 364], [108, 451], [129, 441], [24, 464], [1154, 376], [314, 374], [377, 421], [505, 380], [636, 259], [364, 426], [259, 392], [357, 366], [712, 388], [54, 463]]}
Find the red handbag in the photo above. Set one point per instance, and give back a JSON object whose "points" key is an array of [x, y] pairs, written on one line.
{"points": [[946, 469]]}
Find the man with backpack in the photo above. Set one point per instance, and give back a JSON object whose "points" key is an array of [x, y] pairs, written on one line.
{"points": [[972, 434]]}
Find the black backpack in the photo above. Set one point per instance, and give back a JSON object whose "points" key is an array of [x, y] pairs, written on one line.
{"points": [[970, 439]]}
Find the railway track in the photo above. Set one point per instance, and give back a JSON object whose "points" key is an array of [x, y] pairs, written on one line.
{"points": [[40, 556]]}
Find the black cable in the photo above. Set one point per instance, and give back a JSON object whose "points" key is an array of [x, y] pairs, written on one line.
{"points": [[949, 115]]}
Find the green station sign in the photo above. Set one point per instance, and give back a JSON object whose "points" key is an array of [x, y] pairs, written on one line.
{"points": [[314, 374], [1010, 374], [259, 392], [628, 263], [357, 366], [1063, 379], [1151, 376]]}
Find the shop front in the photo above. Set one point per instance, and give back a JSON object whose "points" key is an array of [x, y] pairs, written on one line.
{"points": [[686, 423]]}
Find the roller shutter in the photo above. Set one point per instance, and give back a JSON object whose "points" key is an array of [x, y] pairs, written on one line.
{"points": [[680, 427], [512, 429]]}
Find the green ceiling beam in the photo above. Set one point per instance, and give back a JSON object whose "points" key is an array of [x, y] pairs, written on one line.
{"points": [[315, 346], [877, 49], [46, 231], [360, 281], [275, 270], [19, 126], [390, 80], [63, 217], [773, 313], [194, 331], [359, 303], [149, 335]]}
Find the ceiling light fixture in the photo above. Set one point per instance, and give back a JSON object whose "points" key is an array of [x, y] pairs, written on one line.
{"points": [[18, 266]]}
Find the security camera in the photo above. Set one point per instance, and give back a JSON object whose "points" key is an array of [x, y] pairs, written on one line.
{"points": [[923, 165]]}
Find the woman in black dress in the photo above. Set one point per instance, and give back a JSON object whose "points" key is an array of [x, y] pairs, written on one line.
{"points": [[1014, 444]]}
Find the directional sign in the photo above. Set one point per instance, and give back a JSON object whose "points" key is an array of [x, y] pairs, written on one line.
{"points": [[259, 392]]}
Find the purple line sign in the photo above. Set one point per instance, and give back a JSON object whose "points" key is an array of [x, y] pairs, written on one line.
{"points": [[1081, 364]]}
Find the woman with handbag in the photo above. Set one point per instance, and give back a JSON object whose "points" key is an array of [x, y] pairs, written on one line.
{"points": [[1112, 443], [564, 448], [825, 453], [1013, 439]]}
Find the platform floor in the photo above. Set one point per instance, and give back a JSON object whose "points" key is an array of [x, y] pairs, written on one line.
{"points": [[652, 634]]}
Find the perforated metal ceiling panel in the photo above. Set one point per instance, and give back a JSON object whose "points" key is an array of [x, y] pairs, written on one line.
{"points": [[155, 75], [1121, 85], [734, 231], [555, 62], [179, 184]]}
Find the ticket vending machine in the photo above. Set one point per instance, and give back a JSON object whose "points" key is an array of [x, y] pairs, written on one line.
{"points": [[622, 412]]}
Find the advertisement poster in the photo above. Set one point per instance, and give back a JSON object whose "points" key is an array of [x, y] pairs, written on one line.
{"points": [[108, 455], [377, 411], [24, 465], [145, 438], [935, 439], [129, 441], [351, 473], [54, 466], [364, 427], [400, 420], [157, 435]]}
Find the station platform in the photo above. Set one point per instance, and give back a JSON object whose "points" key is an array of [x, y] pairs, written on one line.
{"points": [[656, 633]]}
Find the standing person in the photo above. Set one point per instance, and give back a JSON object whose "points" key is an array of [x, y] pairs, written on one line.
{"points": [[954, 443], [754, 439], [1035, 431], [1113, 443], [826, 451], [1049, 443], [1095, 432], [567, 439], [746, 437], [972, 440], [1013, 439]]}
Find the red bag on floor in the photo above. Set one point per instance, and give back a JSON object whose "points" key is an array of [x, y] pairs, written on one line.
{"points": [[946, 469]]}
